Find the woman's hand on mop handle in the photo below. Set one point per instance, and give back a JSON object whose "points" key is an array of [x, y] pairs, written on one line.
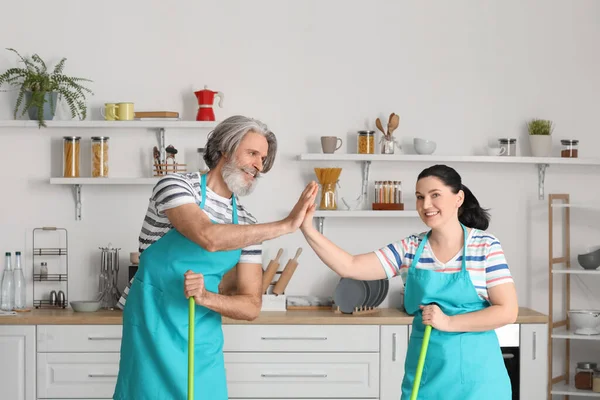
{"points": [[193, 286], [433, 315]]}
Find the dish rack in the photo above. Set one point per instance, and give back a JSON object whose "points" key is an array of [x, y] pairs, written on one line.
{"points": [[57, 253], [562, 329]]}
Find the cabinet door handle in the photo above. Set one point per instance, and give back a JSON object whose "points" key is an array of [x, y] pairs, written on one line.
{"points": [[103, 338], [292, 338], [393, 346], [508, 356], [533, 356], [102, 375], [293, 375]]}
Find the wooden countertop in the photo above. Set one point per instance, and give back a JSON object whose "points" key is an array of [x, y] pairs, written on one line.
{"points": [[385, 316]]}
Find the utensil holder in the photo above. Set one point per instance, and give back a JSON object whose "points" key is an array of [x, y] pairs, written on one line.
{"points": [[388, 206]]}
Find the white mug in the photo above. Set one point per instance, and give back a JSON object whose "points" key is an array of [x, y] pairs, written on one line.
{"points": [[496, 151]]}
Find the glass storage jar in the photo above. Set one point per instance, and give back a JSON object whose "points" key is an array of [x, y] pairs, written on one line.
{"points": [[99, 156], [71, 151], [510, 144], [569, 148], [202, 167], [596, 384], [329, 199], [584, 375], [366, 142]]}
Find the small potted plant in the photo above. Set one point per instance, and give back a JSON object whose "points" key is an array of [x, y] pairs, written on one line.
{"points": [[540, 137], [39, 89]]}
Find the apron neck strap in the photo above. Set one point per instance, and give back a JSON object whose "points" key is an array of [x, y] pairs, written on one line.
{"points": [[234, 213]]}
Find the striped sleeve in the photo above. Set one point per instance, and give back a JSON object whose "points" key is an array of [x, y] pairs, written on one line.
{"points": [[496, 267], [393, 255], [172, 191]]}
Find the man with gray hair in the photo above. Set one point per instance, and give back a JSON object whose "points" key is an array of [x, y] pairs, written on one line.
{"points": [[194, 232]]}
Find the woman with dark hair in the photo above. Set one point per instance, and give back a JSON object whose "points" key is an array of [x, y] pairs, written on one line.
{"points": [[456, 280]]}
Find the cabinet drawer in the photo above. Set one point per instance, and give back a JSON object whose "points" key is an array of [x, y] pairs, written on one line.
{"points": [[316, 338], [69, 375], [302, 375], [79, 338]]}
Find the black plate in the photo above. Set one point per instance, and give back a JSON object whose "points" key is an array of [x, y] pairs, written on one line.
{"points": [[349, 294]]}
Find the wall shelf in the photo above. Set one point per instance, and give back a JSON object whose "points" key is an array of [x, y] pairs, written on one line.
{"points": [[160, 126], [542, 163], [566, 390], [76, 183], [577, 270], [320, 215], [564, 333], [135, 124]]}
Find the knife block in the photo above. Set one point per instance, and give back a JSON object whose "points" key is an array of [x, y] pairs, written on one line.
{"points": [[273, 302]]}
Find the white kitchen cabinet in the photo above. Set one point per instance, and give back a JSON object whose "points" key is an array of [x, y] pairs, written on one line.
{"points": [[17, 362], [393, 345], [85, 375], [303, 375], [534, 361]]}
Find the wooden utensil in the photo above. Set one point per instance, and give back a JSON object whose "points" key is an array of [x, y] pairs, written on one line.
{"points": [[390, 124], [379, 126], [270, 271], [287, 273], [394, 122]]}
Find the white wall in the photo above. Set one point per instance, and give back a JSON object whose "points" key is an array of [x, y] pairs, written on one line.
{"points": [[461, 73]]}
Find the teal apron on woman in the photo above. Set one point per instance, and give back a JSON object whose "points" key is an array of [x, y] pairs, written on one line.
{"points": [[459, 365], [153, 363]]}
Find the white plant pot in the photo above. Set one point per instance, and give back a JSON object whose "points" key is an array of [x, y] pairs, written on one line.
{"points": [[541, 145]]}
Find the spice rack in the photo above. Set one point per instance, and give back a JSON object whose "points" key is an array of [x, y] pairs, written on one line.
{"points": [[561, 329], [61, 235]]}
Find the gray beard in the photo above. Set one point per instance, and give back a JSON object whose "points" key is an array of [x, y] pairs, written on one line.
{"points": [[236, 181]]}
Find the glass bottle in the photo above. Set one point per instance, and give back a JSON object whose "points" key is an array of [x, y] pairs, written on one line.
{"points": [[596, 384], [584, 375], [7, 288], [99, 156], [71, 152], [44, 270], [20, 286]]}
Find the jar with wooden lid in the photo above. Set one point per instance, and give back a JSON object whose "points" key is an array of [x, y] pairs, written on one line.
{"points": [[366, 142], [569, 148], [584, 375], [71, 151], [100, 156]]}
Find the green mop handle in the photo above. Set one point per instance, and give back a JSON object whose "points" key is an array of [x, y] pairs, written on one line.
{"points": [[191, 349], [417, 382]]}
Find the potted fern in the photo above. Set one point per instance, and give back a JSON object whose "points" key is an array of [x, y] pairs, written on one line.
{"points": [[540, 137], [39, 89]]}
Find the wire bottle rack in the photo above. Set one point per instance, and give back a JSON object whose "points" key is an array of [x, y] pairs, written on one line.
{"points": [[51, 299]]}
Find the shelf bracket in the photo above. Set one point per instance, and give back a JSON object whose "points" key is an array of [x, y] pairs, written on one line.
{"points": [[162, 140], [77, 193], [541, 179], [320, 223]]}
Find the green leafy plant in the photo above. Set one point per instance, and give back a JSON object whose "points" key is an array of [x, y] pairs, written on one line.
{"points": [[540, 127], [35, 82]]}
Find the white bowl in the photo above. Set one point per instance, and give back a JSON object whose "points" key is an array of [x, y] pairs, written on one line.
{"points": [[423, 146], [85, 306], [585, 321]]}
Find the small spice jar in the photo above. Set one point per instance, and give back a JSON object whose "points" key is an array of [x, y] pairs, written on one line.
{"points": [[366, 142], [99, 156], [596, 383], [202, 167], [584, 375], [510, 144], [569, 148], [71, 147]]}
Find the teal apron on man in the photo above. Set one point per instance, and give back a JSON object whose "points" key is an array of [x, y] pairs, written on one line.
{"points": [[153, 363], [458, 365]]}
